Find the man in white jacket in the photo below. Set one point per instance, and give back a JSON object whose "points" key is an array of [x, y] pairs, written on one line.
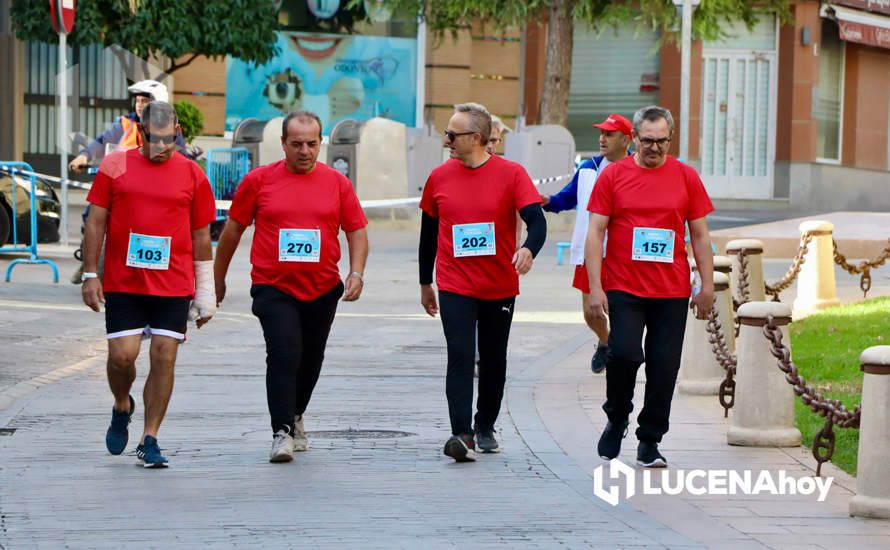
{"points": [[615, 138]]}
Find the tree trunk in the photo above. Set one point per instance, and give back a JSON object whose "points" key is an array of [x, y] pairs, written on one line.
{"points": [[558, 64]]}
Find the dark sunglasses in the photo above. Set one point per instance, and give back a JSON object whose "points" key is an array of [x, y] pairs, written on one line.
{"points": [[450, 136], [156, 139]]}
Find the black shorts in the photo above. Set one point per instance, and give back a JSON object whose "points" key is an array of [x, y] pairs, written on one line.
{"points": [[131, 314]]}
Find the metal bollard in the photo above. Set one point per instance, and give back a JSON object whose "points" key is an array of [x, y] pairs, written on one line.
{"points": [[872, 498], [763, 415], [700, 373], [815, 284], [752, 272]]}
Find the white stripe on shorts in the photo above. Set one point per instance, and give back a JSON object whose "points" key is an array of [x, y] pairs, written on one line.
{"points": [[128, 332], [164, 332]]}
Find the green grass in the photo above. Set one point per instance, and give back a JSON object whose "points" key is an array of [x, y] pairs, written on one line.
{"points": [[826, 347]]}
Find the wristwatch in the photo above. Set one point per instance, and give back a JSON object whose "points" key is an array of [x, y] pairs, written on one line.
{"points": [[359, 275], [88, 275]]}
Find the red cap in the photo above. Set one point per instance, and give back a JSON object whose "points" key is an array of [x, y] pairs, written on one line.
{"points": [[615, 122]]}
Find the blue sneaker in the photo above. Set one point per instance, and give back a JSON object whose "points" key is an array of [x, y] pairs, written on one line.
{"points": [[117, 435], [149, 454]]}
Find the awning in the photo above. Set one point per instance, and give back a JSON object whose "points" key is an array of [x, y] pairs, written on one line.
{"points": [[859, 26]]}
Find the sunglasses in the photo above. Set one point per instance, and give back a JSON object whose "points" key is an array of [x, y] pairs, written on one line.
{"points": [[494, 141], [451, 136], [164, 140]]}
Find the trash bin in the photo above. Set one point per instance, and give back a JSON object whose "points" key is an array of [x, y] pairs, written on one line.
{"points": [[544, 150], [249, 135], [424, 154], [343, 148]]}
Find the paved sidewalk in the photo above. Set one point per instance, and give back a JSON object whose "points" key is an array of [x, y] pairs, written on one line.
{"points": [[375, 475]]}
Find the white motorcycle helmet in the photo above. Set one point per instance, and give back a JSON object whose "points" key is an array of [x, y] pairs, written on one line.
{"points": [[153, 88]]}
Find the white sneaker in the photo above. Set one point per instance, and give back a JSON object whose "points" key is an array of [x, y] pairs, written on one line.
{"points": [[282, 447], [301, 442]]}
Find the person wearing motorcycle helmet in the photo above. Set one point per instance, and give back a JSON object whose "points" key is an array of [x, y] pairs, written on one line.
{"points": [[123, 135]]}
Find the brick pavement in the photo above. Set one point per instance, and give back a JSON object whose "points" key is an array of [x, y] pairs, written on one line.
{"points": [[384, 372]]}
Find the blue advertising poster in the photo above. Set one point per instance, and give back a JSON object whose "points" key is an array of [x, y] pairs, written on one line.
{"points": [[334, 75]]}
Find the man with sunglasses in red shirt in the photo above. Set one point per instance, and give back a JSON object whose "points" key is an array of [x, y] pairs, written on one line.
{"points": [[153, 209], [468, 233]]}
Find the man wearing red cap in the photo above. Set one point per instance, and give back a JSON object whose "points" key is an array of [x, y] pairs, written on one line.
{"points": [[615, 136]]}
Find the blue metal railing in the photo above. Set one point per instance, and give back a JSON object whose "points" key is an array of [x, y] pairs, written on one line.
{"points": [[12, 168], [225, 169]]}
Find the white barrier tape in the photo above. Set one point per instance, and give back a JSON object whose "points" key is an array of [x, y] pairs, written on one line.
{"points": [[53, 179], [376, 203], [542, 181], [384, 203]]}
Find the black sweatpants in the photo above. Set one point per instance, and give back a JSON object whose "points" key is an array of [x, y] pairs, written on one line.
{"points": [[664, 320], [462, 316], [296, 334]]}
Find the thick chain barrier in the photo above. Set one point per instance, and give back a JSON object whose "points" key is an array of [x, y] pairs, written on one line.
{"points": [[832, 410], [725, 359], [744, 288], [863, 269], [793, 270]]}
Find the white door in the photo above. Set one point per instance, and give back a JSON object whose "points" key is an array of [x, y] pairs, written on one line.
{"points": [[738, 113]]}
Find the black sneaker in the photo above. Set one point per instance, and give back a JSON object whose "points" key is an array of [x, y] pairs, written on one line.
{"points": [[117, 435], [610, 442], [486, 442], [649, 457], [461, 448], [598, 362]]}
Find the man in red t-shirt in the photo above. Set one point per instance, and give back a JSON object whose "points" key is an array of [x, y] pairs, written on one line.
{"points": [[643, 282], [468, 231], [153, 209], [298, 206]]}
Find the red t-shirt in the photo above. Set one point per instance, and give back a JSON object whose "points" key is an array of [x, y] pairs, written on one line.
{"points": [[276, 199], [166, 199], [663, 198], [459, 195]]}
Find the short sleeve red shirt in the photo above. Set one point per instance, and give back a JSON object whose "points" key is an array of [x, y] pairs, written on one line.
{"points": [[459, 195], [166, 199], [274, 199], [664, 198]]}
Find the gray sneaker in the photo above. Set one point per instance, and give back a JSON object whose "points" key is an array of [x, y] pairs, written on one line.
{"points": [[486, 442], [282, 447], [301, 442]]}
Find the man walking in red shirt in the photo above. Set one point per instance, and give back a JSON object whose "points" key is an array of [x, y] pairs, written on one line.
{"points": [[643, 282], [468, 232], [298, 206], [152, 208]]}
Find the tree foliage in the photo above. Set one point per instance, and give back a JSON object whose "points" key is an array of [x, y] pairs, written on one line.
{"points": [[191, 119], [708, 22], [156, 28]]}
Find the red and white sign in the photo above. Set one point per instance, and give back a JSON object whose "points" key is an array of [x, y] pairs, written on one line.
{"points": [[62, 15], [864, 34], [877, 6]]}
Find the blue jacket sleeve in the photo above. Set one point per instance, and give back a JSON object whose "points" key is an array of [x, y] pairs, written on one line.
{"points": [[566, 199], [96, 149]]}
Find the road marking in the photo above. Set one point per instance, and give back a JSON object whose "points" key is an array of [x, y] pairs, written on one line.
{"points": [[15, 393]]}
